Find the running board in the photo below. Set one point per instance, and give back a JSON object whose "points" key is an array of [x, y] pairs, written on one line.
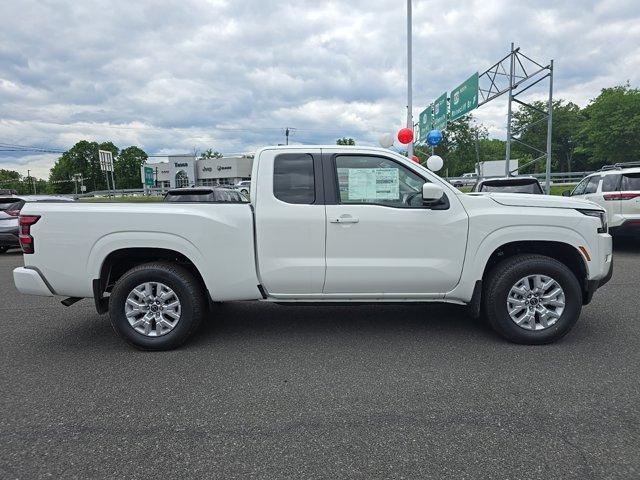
{"points": [[67, 302]]}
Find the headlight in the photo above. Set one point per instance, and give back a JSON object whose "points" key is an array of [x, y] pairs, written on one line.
{"points": [[601, 214]]}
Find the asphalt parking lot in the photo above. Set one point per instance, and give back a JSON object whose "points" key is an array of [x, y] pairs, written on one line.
{"points": [[267, 391]]}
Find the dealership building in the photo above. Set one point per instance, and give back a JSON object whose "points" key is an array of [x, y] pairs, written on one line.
{"points": [[186, 171]]}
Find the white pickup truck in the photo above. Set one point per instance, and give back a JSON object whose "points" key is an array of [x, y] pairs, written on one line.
{"points": [[325, 224]]}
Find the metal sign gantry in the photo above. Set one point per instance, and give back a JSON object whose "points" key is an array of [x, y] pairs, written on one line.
{"points": [[514, 74]]}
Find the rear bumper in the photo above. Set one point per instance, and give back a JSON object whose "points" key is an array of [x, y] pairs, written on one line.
{"points": [[9, 237], [30, 282], [628, 228]]}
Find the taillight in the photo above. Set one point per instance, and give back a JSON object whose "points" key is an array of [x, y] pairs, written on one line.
{"points": [[26, 240], [621, 196]]}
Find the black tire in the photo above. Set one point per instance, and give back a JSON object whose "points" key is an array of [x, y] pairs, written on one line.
{"points": [[504, 276], [187, 288]]}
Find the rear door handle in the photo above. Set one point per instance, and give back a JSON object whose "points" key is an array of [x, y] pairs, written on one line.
{"points": [[345, 219]]}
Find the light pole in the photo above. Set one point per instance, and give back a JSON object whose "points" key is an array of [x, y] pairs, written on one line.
{"points": [[409, 81]]}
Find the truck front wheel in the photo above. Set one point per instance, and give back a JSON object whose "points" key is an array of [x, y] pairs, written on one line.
{"points": [[156, 306], [532, 299]]}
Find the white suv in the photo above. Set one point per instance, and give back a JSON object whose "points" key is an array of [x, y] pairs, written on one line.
{"points": [[617, 189]]}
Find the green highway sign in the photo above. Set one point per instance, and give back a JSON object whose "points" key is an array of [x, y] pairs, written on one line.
{"points": [[464, 97], [425, 123], [440, 112], [148, 177]]}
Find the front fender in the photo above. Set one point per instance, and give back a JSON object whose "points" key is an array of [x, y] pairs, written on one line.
{"points": [[478, 255]]}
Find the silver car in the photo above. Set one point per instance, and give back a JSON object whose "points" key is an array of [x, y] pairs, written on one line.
{"points": [[10, 207]]}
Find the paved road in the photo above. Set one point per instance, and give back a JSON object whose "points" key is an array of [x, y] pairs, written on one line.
{"points": [[267, 391]]}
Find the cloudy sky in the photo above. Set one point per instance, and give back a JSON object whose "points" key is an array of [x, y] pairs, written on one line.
{"points": [[171, 76]]}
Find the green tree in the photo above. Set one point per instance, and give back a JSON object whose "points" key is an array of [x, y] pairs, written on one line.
{"points": [[127, 167], [345, 141], [611, 130], [530, 127], [11, 180], [82, 159], [457, 149], [209, 153]]}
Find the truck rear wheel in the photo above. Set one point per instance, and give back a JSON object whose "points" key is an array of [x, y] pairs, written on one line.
{"points": [[156, 306], [532, 299]]}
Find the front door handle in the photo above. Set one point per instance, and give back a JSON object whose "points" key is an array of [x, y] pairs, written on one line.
{"points": [[345, 219]]}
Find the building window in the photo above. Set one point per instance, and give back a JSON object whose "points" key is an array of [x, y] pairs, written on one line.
{"points": [[207, 182], [182, 179]]}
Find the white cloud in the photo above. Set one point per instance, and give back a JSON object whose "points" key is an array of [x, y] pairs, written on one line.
{"points": [[170, 76]]}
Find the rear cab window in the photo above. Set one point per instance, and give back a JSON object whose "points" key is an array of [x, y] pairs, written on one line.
{"points": [[294, 178]]}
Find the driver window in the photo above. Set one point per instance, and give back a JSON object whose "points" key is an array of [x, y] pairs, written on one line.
{"points": [[377, 181], [579, 190]]}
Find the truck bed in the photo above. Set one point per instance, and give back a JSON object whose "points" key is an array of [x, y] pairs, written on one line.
{"points": [[72, 241]]}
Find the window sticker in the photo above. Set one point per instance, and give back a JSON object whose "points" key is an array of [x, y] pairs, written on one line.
{"points": [[373, 184]]}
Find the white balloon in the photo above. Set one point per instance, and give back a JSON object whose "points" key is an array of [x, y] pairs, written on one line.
{"points": [[435, 163], [386, 140]]}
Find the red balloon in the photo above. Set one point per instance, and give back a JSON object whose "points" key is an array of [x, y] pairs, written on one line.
{"points": [[405, 135], [415, 159]]}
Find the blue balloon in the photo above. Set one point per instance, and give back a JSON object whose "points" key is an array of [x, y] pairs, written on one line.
{"points": [[434, 137]]}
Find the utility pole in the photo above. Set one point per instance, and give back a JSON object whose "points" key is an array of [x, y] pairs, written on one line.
{"points": [[549, 131], [286, 135], [477, 153], [409, 80], [29, 181], [507, 158]]}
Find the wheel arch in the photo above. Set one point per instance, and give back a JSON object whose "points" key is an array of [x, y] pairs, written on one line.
{"points": [[556, 242], [121, 260], [563, 252]]}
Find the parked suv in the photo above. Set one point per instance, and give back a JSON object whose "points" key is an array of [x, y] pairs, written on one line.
{"points": [[617, 189], [10, 207], [509, 185], [244, 187]]}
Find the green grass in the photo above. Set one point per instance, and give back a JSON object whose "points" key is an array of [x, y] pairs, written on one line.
{"points": [[130, 199], [558, 189]]}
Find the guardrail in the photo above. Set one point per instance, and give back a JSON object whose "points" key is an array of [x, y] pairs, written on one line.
{"points": [[556, 178]]}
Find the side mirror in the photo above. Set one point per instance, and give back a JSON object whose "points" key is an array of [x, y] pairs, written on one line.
{"points": [[431, 192], [566, 193]]}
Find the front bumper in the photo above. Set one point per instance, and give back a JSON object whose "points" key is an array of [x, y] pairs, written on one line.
{"points": [[30, 282]]}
